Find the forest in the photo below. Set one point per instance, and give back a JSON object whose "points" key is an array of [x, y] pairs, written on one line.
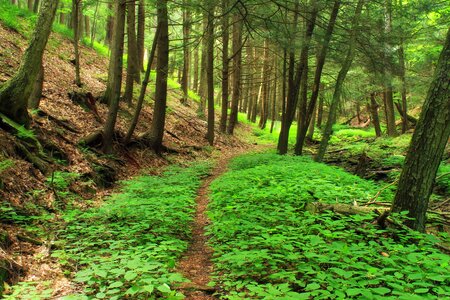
{"points": [[224, 149]]}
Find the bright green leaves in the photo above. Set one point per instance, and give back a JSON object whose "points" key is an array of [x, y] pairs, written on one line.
{"points": [[128, 247], [268, 247]]}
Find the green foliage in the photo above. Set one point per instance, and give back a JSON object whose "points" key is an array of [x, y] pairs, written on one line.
{"points": [[62, 180], [127, 248], [268, 247], [11, 16], [443, 177], [27, 291], [6, 164]]}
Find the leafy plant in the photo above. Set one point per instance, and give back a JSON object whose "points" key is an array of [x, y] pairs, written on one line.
{"points": [[266, 246], [128, 247]]}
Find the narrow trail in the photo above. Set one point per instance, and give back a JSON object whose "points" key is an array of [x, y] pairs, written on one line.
{"points": [[196, 264]]}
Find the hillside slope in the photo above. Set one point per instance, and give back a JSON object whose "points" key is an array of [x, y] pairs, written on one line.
{"points": [[64, 123], [78, 175]]}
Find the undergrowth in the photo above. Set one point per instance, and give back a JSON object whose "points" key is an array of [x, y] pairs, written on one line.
{"points": [[127, 248], [268, 247]]}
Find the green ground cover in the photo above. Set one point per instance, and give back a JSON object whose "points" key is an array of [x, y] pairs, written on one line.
{"points": [[128, 247], [268, 247]]}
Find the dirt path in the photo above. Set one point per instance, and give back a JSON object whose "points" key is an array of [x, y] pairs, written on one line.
{"points": [[196, 263]]}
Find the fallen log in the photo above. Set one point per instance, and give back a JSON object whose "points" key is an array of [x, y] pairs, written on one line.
{"points": [[344, 209]]}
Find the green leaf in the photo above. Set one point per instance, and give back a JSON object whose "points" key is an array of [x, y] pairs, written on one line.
{"points": [[380, 290], [421, 291], [312, 287], [116, 284], [353, 292], [164, 288], [130, 275]]}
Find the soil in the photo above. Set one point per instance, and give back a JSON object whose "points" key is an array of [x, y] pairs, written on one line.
{"points": [[196, 263]]}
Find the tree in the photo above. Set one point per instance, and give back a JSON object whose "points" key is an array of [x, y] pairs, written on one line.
{"points": [[210, 71], [427, 146], [225, 67], [237, 62], [143, 89], [76, 38], [294, 80], [141, 34], [156, 133], [133, 59], [303, 125], [112, 93], [14, 94], [340, 82], [186, 53]]}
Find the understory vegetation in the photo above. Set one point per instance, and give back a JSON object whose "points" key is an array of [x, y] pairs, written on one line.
{"points": [[129, 246], [269, 246]]}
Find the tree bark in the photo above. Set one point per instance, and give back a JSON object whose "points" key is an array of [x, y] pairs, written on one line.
{"points": [[388, 88], [76, 38], [210, 72], [237, 63], [36, 6], [143, 88], [156, 133], [186, 53], [427, 146], [133, 74], [225, 67], [195, 77], [115, 74], [301, 134], [109, 25], [141, 34], [328, 130], [374, 114], [265, 97], [14, 94], [295, 79]]}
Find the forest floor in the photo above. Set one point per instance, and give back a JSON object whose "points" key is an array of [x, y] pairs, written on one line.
{"points": [[199, 222], [196, 264]]}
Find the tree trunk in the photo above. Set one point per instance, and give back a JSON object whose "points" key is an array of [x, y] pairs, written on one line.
{"points": [[295, 79], [87, 26], [374, 115], [76, 38], [141, 34], [301, 134], [14, 94], [203, 85], [36, 6], [133, 74], [36, 94], [274, 99], [225, 65], [115, 74], [237, 63], [210, 72], [388, 88], [186, 53], [427, 146], [109, 25], [30, 5], [195, 77], [156, 133], [265, 97], [320, 108], [143, 88]]}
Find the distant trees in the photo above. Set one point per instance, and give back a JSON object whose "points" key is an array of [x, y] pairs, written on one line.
{"points": [[14, 94], [427, 146]]}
